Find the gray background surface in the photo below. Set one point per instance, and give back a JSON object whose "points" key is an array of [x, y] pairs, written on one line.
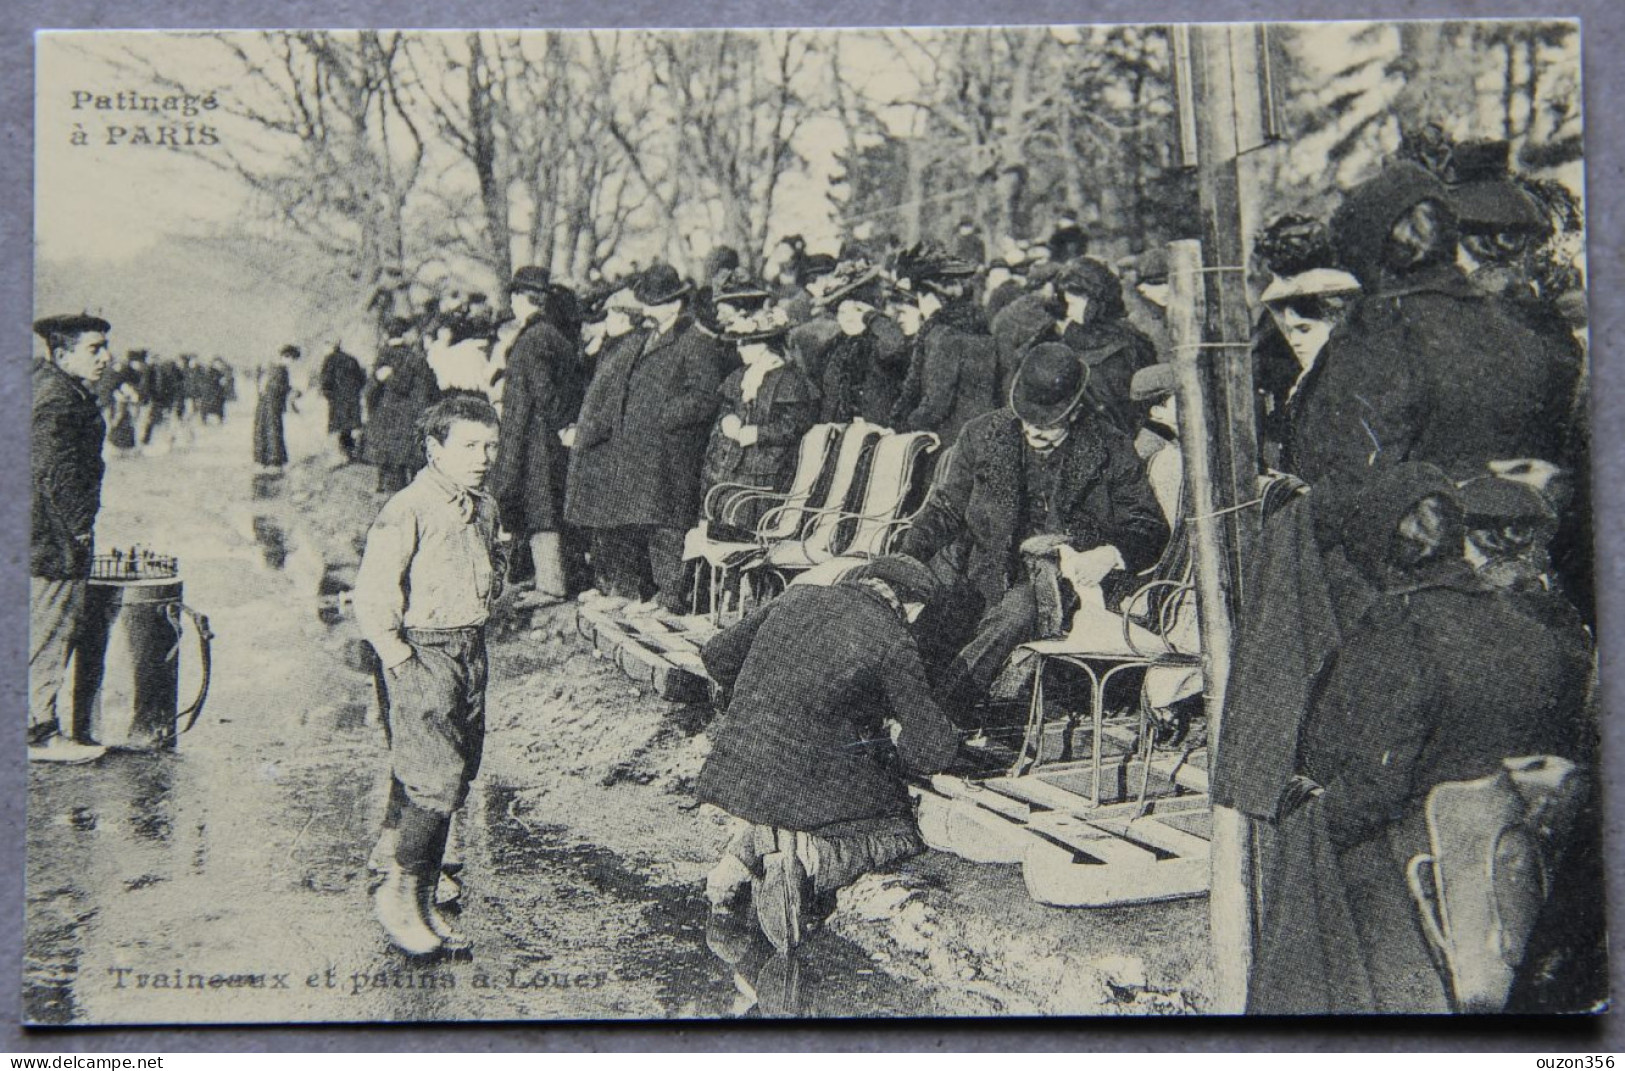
{"points": [[1603, 35]]}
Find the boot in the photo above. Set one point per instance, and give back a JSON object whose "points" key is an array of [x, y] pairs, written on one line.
{"points": [[781, 894], [382, 859], [450, 939], [398, 905]]}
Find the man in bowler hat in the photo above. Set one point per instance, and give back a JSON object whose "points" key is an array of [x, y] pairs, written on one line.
{"points": [[1045, 471]]}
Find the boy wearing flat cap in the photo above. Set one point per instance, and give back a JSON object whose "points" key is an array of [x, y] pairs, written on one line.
{"points": [[66, 470]]}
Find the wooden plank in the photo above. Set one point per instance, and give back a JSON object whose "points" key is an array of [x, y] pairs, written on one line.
{"points": [[1158, 834], [959, 826], [645, 665], [974, 792], [1054, 876]]}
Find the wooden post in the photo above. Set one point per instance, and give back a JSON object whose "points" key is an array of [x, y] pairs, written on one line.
{"points": [[1230, 895], [1227, 108]]}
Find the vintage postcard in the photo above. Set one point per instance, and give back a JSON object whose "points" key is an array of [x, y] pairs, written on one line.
{"points": [[1045, 520]]}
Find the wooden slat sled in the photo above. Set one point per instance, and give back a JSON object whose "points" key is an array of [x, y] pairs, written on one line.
{"points": [[660, 650], [1073, 855]]}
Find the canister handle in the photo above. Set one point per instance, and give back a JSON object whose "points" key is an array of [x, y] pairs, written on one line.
{"points": [[205, 663]]}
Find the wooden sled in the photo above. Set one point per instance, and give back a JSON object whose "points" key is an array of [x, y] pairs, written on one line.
{"points": [[660, 650]]}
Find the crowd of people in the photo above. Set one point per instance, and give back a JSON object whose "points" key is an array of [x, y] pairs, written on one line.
{"points": [[145, 398], [1419, 609]]}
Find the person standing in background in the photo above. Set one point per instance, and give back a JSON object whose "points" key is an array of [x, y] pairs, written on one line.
{"points": [[277, 395]]}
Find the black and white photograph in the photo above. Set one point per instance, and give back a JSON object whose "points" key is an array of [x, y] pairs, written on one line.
{"points": [[877, 523]]}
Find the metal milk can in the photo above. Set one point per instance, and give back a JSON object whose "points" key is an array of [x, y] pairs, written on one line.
{"points": [[126, 677]]}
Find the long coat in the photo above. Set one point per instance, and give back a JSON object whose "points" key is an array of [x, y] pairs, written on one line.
{"points": [[813, 675], [209, 390], [1408, 705], [1101, 497], [960, 373], [863, 378], [270, 442], [65, 466], [342, 381], [542, 392], [1112, 350], [784, 408], [641, 438], [1435, 371], [394, 406]]}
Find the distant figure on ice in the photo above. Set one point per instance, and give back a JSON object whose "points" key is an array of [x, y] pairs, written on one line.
{"points": [[277, 395], [342, 379], [427, 580], [66, 470], [828, 708]]}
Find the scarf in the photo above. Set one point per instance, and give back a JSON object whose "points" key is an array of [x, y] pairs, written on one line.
{"points": [[755, 373]]}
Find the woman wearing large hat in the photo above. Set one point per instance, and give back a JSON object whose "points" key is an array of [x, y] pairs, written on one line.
{"points": [[767, 405], [863, 377]]}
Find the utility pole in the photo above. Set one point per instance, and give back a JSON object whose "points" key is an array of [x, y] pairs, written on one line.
{"points": [[1227, 107]]}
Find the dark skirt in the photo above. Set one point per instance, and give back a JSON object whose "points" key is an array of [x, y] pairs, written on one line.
{"points": [[270, 442]]}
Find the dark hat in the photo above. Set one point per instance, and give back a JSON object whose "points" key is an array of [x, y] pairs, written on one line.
{"points": [[1384, 500], [1091, 278], [722, 258], [659, 285], [1362, 223], [1497, 206], [771, 322], [1049, 386], [1068, 241], [531, 280], [1481, 160], [75, 323], [1153, 381], [855, 280], [290, 351], [912, 581], [928, 266], [1293, 243], [736, 286], [1495, 499], [814, 266]]}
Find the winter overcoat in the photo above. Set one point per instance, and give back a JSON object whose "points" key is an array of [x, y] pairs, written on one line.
{"points": [[1433, 370], [960, 374], [812, 677], [65, 464], [342, 381], [640, 442], [1102, 496], [542, 395], [270, 442], [394, 406], [784, 408]]}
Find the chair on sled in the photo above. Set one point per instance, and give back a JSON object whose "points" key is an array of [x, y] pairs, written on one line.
{"points": [[1153, 630], [826, 464], [838, 537]]}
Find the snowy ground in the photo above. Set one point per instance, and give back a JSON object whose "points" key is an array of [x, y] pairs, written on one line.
{"points": [[226, 882]]}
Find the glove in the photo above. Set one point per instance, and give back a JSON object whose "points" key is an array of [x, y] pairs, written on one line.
{"points": [[1045, 543], [1299, 790], [567, 436], [747, 435]]}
